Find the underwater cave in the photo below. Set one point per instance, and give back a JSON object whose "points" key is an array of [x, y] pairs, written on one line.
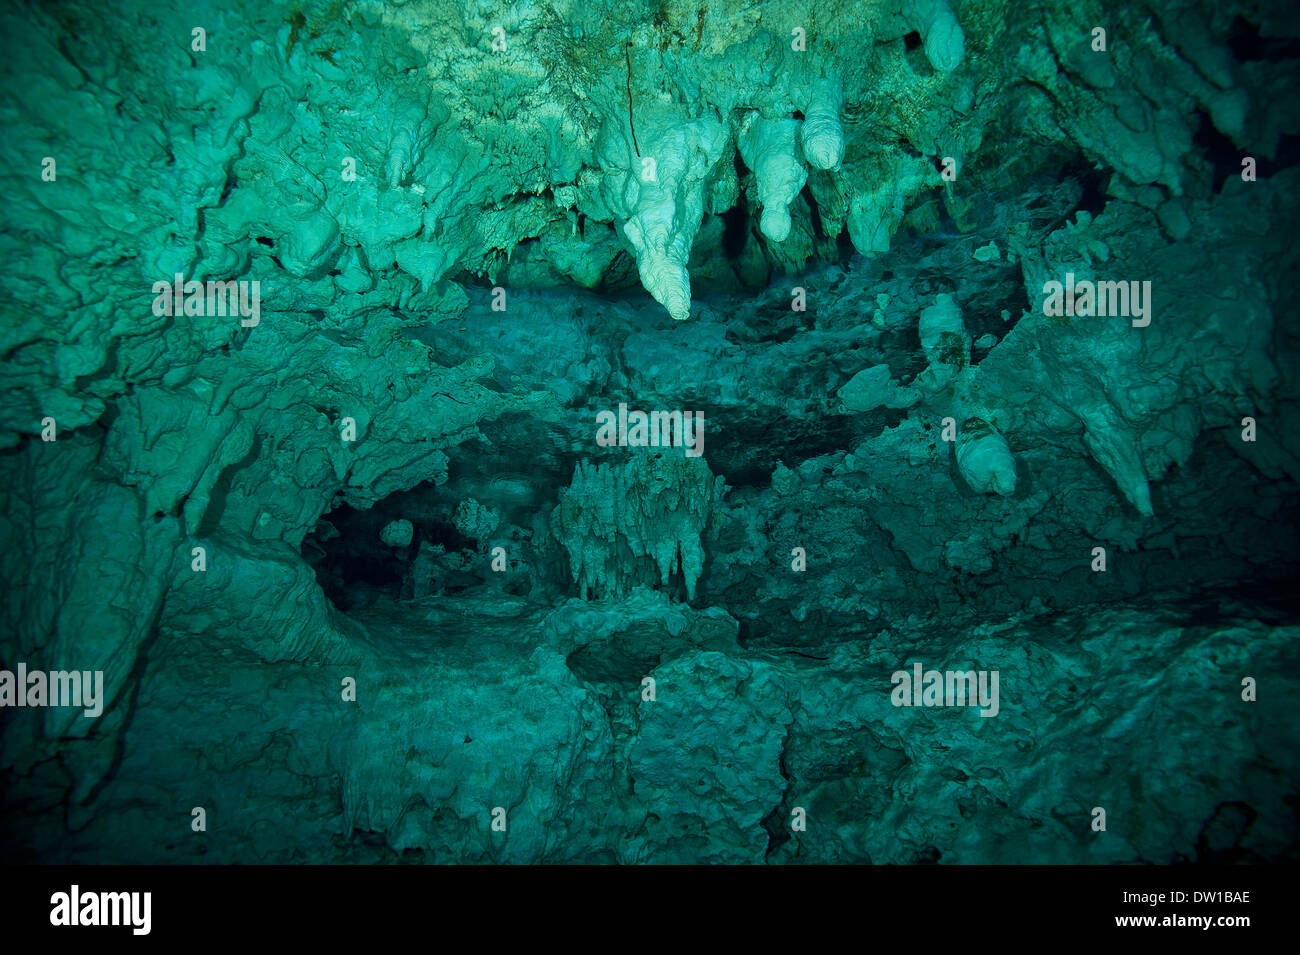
{"points": [[552, 433]]}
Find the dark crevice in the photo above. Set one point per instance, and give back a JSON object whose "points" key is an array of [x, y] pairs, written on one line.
{"points": [[735, 230], [1249, 46], [1093, 181], [818, 230], [627, 52], [1221, 152], [135, 679]]}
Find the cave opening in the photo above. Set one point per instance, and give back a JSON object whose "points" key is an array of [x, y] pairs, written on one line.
{"points": [[402, 548]]}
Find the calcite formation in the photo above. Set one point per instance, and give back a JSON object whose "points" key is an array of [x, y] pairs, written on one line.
{"points": [[984, 458], [769, 148], [652, 509]]}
